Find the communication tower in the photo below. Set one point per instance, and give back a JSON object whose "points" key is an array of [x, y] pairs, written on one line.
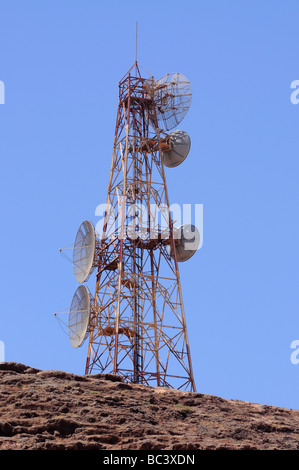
{"points": [[134, 318]]}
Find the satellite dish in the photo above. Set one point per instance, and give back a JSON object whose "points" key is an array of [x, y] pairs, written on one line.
{"points": [[172, 96], [180, 147], [84, 251], [189, 241], [79, 316]]}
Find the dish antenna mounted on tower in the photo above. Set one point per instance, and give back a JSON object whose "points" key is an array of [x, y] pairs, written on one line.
{"points": [[134, 318]]}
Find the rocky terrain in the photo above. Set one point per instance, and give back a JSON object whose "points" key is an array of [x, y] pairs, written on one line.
{"points": [[44, 410]]}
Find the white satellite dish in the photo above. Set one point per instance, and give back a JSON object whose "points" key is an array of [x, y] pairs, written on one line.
{"points": [[189, 242], [84, 251], [180, 147], [79, 316], [172, 96]]}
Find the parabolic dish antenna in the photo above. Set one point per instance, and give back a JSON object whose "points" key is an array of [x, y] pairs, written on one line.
{"points": [[172, 96], [79, 316], [84, 251], [189, 241], [180, 147]]}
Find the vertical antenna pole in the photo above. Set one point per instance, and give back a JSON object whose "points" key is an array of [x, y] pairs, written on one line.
{"points": [[136, 42]]}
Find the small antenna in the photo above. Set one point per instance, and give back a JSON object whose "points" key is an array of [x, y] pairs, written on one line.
{"points": [[136, 41]]}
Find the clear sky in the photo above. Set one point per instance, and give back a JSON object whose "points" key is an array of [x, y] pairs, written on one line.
{"points": [[60, 63]]}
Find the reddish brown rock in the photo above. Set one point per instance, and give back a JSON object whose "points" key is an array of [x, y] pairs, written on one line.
{"points": [[49, 410]]}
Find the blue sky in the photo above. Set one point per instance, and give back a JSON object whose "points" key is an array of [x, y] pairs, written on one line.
{"points": [[61, 63]]}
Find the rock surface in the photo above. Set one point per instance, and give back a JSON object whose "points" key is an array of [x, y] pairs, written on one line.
{"points": [[44, 410]]}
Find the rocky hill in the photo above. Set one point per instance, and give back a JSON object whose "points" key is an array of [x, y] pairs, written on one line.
{"points": [[58, 410]]}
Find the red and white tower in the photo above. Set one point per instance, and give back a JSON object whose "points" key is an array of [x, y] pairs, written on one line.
{"points": [[134, 316]]}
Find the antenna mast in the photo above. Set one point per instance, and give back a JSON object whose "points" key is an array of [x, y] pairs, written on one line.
{"points": [[135, 319], [136, 41]]}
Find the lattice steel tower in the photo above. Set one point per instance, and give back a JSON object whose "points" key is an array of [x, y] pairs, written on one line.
{"points": [[134, 319]]}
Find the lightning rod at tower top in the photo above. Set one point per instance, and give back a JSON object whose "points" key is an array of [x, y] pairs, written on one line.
{"points": [[132, 316]]}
